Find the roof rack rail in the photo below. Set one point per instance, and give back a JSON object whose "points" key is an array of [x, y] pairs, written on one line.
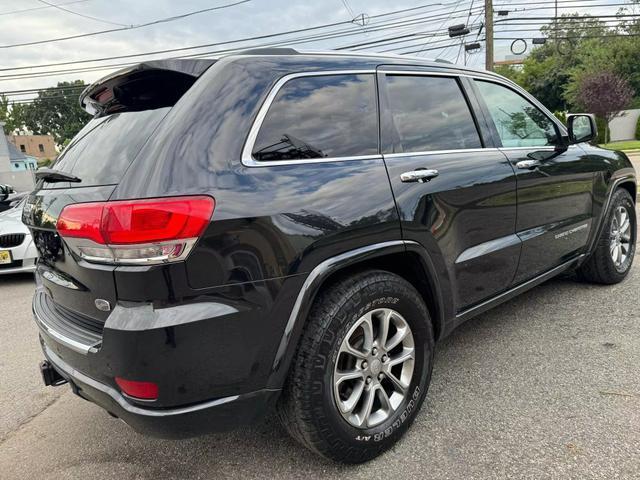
{"points": [[269, 51]]}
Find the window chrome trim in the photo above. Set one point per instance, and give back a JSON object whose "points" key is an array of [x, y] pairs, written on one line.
{"points": [[439, 152], [424, 73], [247, 157], [247, 150], [487, 77], [539, 148]]}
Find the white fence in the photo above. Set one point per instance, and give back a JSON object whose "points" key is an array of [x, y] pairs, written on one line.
{"points": [[624, 126]]}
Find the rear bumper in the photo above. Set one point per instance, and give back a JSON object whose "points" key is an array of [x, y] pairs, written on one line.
{"points": [[216, 415], [19, 266]]}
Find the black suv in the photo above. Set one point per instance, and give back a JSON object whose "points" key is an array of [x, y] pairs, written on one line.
{"points": [[296, 230]]}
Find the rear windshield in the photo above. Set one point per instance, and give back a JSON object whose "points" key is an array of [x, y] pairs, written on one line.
{"points": [[103, 150]]}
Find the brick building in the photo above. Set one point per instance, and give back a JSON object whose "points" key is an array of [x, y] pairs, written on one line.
{"points": [[39, 146]]}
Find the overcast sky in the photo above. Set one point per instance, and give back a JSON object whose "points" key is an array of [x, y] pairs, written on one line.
{"points": [[256, 17]]}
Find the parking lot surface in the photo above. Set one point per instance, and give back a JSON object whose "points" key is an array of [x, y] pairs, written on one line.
{"points": [[544, 386]]}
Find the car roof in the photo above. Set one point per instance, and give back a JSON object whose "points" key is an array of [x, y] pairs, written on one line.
{"points": [[374, 58]]}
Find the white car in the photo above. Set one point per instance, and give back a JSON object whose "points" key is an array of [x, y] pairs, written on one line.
{"points": [[17, 250]]}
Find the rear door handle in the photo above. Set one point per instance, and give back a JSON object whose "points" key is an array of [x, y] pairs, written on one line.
{"points": [[420, 175], [527, 164]]}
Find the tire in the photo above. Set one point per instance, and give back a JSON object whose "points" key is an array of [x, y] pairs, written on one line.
{"points": [[308, 408], [601, 267]]}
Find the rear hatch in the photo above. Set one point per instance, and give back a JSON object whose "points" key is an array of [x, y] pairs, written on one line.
{"points": [[74, 295]]}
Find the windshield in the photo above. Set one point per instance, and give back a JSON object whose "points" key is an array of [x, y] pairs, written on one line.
{"points": [[103, 150]]}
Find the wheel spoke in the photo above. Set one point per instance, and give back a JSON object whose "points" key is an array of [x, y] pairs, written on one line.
{"points": [[624, 226], [383, 332], [398, 385], [367, 329], [369, 397], [343, 376], [618, 257], [351, 350], [397, 338], [406, 354], [347, 406], [612, 248], [384, 400]]}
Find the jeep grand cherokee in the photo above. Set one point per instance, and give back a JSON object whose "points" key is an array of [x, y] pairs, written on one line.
{"points": [[296, 230]]}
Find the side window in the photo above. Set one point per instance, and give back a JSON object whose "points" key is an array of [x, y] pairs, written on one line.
{"points": [[319, 117], [429, 113], [519, 122]]}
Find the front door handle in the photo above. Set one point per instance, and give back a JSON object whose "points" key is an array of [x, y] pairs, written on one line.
{"points": [[421, 175], [528, 164]]}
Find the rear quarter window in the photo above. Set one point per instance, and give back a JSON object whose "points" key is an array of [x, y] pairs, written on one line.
{"points": [[103, 150], [320, 117]]}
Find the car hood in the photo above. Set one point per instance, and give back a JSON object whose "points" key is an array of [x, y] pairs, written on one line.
{"points": [[11, 222]]}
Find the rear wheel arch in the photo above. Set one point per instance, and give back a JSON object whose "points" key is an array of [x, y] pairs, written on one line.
{"points": [[407, 265], [408, 260]]}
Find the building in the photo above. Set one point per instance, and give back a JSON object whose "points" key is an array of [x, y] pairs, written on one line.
{"points": [[16, 168], [39, 146], [19, 162]]}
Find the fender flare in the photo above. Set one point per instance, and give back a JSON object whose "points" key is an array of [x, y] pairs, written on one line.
{"points": [[322, 271], [613, 186]]}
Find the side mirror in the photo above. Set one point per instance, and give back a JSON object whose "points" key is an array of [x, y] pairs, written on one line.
{"points": [[582, 128], [4, 192]]}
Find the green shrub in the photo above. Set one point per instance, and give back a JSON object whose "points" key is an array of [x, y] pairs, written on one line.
{"points": [[638, 129], [601, 125], [562, 116]]}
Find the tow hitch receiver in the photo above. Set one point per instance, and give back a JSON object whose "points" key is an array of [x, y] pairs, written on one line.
{"points": [[50, 375]]}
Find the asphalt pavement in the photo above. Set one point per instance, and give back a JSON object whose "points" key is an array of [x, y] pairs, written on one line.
{"points": [[544, 386]]}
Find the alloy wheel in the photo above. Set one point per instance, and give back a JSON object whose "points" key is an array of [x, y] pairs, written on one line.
{"points": [[620, 238], [374, 368]]}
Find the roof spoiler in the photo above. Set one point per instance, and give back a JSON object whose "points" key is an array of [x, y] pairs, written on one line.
{"points": [[154, 84]]}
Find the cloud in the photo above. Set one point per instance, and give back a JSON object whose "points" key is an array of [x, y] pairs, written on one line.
{"points": [[255, 18]]}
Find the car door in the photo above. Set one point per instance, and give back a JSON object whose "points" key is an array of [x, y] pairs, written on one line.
{"points": [[555, 180], [455, 194]]}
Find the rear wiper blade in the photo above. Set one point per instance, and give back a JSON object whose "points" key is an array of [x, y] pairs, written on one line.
{"points": [[52, 175]]}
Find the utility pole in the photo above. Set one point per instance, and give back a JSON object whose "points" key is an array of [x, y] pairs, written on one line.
{"points": [[488, 33]]}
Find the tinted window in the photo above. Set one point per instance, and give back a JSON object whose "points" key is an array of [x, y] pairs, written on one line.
{"points": [[519, 122], [430, 113], [324, 116], [102, 151]]}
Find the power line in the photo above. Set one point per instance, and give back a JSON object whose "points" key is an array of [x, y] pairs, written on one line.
{"points": [[30, 91], [442, 24], [322, 36], [13, 12], [61, 8], [394, 24], [130, 27], [193, 47], [346, 5]]}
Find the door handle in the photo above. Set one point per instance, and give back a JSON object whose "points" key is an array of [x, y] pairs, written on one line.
{"points": [[527, 164], [420, 175]]}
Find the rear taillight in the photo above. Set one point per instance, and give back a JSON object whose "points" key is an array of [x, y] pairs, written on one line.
{"points": [[134, 232]]}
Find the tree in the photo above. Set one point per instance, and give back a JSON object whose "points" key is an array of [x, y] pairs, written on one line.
{"points": [[56, 111], [577, 47], [10, 114], [546, 72], [604, 94]]}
